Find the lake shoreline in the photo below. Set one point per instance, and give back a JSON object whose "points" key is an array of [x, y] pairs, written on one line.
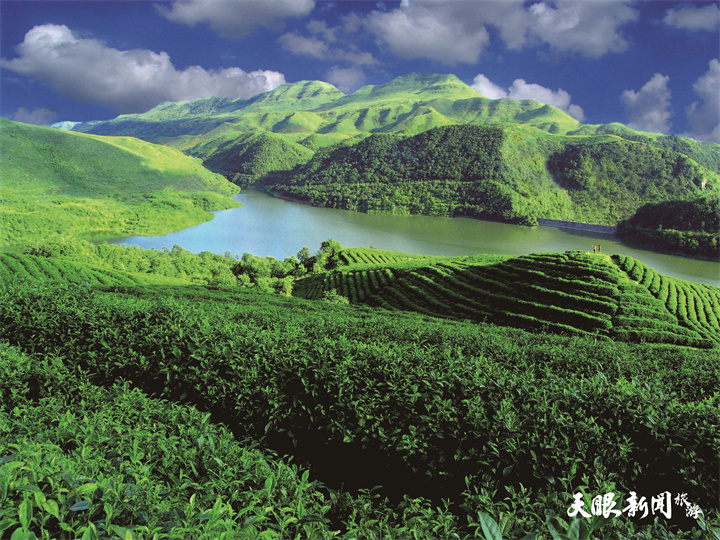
{"points": [[545, 222], [603, 231], [272, 226]]}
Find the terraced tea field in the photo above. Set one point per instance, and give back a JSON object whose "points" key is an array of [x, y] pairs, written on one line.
{"points": [[695, 306], [574, 292], [17, 267], [453, 420], [362, 256]]}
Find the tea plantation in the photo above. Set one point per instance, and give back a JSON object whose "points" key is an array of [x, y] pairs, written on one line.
{"points": [[574, 292], [453, 398]]}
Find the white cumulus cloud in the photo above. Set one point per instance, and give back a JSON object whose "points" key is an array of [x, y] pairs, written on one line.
{"points": [[589, 28], [236, 18], [428, 30], [323, 44], [703, 116], [488, 88], [312, 46], [692, 17], [39, 117], [520, 89], [315, 46], [649, 108], [89, 71], [457, 32]]}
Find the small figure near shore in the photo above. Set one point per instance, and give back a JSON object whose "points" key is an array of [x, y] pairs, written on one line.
{"points": [[594, 248], [599, 248]]}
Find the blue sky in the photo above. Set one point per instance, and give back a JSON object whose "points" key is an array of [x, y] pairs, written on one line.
{"points": [[650, 64]]}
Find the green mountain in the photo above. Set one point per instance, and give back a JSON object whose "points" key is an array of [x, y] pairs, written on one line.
{"points": [[245, 155], [308, 139], [408, 104], [317, 114], [680, 226], [57, 183]]}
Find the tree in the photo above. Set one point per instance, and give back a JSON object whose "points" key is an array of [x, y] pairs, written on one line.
{"points": [[324, 257], [304, 256], [284, 285], [330, 247]]}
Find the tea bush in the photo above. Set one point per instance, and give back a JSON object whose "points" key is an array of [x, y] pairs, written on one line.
{"points": [[490, 419]]}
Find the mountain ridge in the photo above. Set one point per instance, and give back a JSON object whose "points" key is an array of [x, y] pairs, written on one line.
{"points": [[404, 104], [412, 89]]}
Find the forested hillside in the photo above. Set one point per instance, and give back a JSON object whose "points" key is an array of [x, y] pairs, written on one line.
{"points": [[495, 172], [678, 226]]}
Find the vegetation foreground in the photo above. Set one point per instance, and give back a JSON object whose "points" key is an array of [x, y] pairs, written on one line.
{"points": [[155, 394]]}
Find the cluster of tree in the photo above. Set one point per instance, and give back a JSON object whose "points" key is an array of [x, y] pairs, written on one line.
{"points": [[205, 268], [495, 173], [450, 172], [624, 175], [454, 154], [490, 200], [690, 227], [263, 273]]}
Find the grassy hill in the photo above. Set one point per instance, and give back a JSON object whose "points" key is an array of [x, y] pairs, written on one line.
{"points": [[57, 183], [246, 155], [401, 105]]}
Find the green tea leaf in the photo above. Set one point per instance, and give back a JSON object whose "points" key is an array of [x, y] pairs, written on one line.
{"points": [[90, 533], [25, 513], [51, 507], [20, 534], [489, 527], [79, 506]]}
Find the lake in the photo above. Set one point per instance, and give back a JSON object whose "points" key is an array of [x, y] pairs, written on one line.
{"points": [[267, 226]]}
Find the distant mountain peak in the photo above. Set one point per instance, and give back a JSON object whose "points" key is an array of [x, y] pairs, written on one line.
{"points": [[436, 85], [426, 79], [301, 95]]}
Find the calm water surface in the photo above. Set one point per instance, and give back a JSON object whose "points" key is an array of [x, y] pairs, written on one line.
{"points": [[266, 226]]}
